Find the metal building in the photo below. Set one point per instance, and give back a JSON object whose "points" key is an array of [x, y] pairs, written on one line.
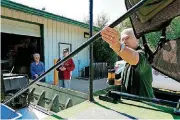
{"points": [[52, 31]]}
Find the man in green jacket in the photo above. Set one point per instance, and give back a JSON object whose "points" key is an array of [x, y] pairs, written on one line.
{"points": [[137, 75]]}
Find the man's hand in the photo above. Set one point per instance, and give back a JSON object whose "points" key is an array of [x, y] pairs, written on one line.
{"points": [[112, 37], [62, 68], [36, 75]]}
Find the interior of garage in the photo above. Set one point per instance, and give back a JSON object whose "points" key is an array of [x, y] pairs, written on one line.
{"points": [[17, 52]]}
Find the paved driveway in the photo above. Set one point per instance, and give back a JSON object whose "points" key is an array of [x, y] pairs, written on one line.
{"points": [[83, 85]]}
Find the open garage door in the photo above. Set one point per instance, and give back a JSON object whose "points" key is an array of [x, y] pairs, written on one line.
{"points": [[19, 41], [20, 28]]}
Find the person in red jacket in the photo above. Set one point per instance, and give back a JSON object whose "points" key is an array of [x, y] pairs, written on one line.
{"points": [[64, 71]]}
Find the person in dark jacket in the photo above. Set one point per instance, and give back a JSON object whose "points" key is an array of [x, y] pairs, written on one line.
{"points": [[64, 71]]}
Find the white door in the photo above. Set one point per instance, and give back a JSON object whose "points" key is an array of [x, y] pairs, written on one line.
{"points": [[19, 28]]}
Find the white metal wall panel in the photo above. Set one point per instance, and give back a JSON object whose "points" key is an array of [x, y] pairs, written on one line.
{"points": [[20, 28]]}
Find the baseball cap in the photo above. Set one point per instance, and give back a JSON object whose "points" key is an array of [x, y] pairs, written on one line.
{"points": [[66, 50]]}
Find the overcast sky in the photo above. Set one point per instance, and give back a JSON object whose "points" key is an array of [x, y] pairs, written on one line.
{"points": [[78, 9]]}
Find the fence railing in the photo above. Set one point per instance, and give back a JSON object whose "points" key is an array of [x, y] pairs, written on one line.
{"points": [[100, 71]]}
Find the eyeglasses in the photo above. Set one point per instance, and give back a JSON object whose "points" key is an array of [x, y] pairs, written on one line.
{"points": [[125, 38]]}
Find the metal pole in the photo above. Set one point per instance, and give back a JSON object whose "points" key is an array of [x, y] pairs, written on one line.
{"points": [[140, 98], [91, 40], [91, 74]]}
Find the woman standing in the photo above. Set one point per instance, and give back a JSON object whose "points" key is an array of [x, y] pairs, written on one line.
{"points": [[37, 67]]}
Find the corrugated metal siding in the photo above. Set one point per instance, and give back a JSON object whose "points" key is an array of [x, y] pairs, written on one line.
{"points": [[55, 32]]}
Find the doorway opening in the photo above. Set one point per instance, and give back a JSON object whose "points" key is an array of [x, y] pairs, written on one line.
{"points": [[17, 52]]}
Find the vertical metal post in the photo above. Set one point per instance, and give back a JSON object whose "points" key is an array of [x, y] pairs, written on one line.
{"points": [[91, 51]]}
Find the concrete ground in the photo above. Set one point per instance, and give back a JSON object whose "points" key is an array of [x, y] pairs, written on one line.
{"points": [[83, 85]]}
